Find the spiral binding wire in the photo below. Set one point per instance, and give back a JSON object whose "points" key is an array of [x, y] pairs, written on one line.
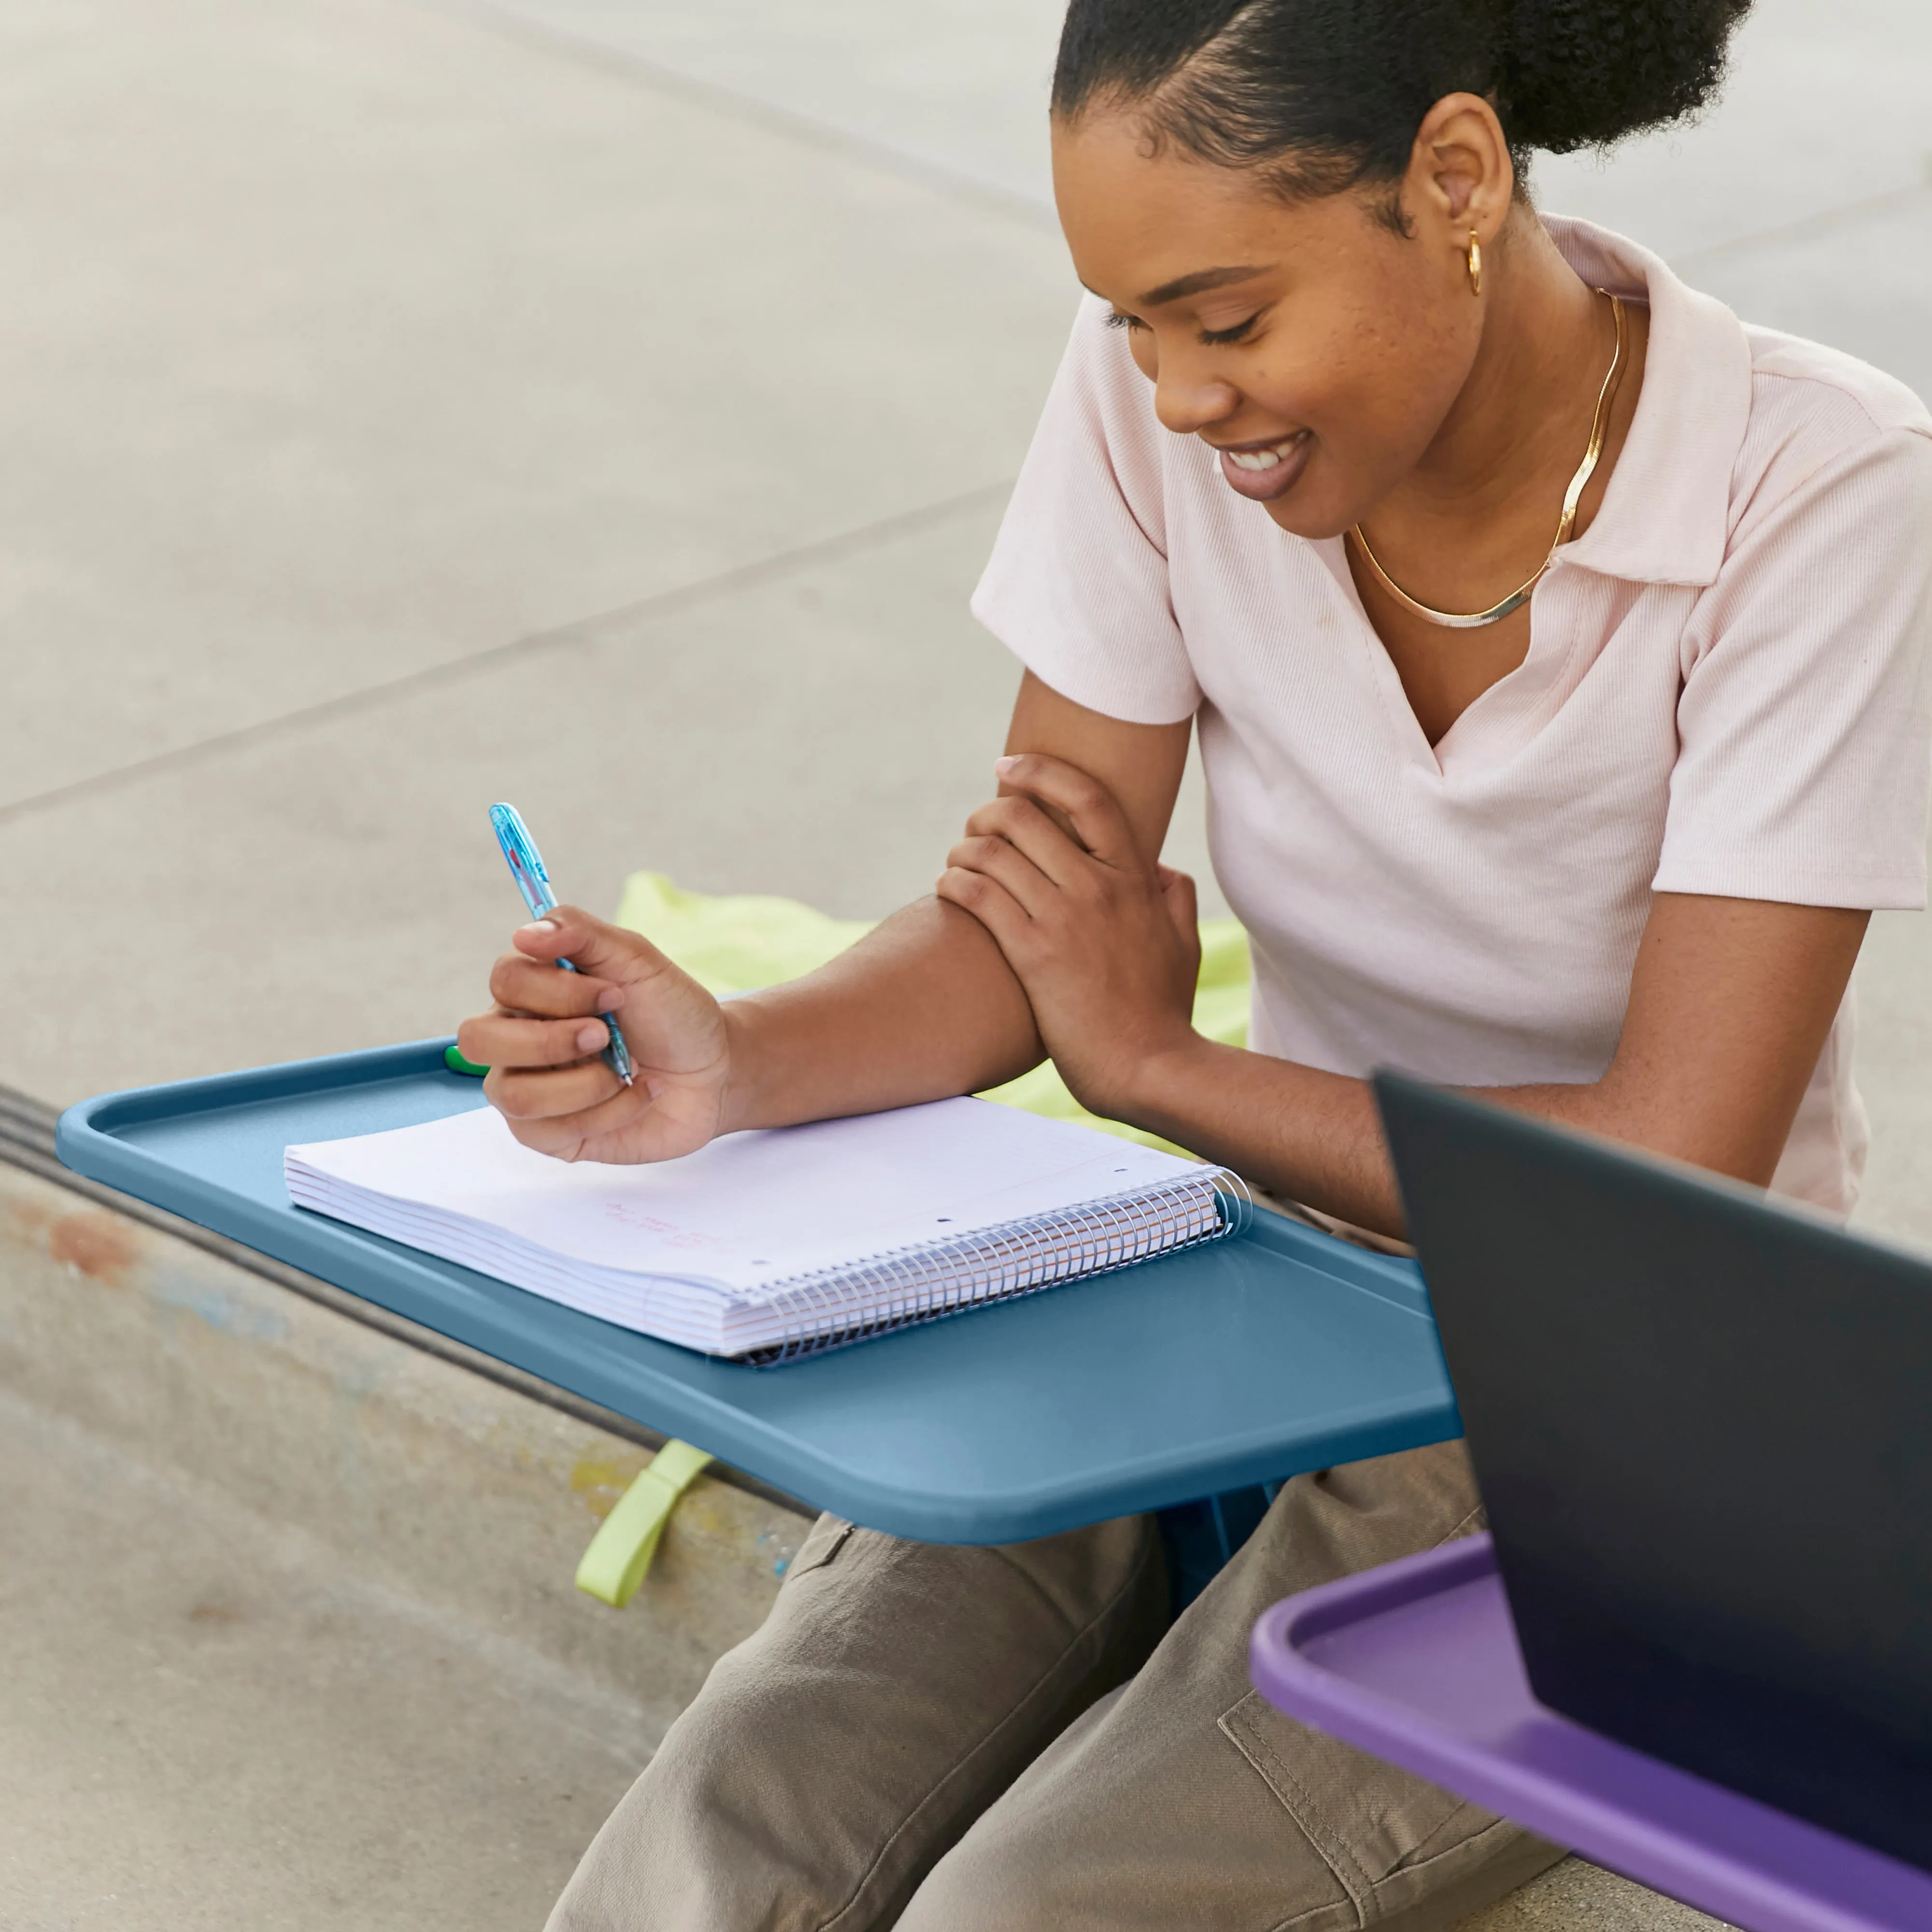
{"points": [[910, 1285]]}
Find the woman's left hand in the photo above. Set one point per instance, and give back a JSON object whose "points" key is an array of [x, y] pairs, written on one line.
{"points": [[1106, 944]]}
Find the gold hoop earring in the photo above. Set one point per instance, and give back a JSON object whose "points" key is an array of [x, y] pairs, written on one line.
{"points": [[1475, 264]]}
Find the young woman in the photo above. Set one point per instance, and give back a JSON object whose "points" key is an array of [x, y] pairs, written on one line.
{"points": [[1558, 648]]}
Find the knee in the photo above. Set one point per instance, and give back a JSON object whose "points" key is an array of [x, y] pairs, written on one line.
{"points": [[1010, 1873], [964, 1893]]}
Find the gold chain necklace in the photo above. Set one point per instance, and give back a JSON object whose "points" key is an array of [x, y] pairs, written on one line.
{"points": [[1572, 497]]}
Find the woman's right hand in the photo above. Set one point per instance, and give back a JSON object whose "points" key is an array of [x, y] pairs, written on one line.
{"points": [[542, 1041]]}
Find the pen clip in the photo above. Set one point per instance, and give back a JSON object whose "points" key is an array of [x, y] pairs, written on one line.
{"points": [[525, 861]]}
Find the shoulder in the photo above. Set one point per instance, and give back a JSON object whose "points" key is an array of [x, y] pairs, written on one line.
{"points": [[1807, 381], [1815, 413], [1099, 373]]}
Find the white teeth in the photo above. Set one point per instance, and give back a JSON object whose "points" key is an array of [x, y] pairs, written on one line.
{"points": [[1261, 459]]}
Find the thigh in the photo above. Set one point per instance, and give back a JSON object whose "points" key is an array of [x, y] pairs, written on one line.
{"points": [[894, 1690], [1185, 1799]]}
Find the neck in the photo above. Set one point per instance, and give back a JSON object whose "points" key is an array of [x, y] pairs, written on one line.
{"points": [[1545, 338]]}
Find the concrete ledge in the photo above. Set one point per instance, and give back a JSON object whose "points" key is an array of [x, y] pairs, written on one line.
{"points": [[460, 1490]]}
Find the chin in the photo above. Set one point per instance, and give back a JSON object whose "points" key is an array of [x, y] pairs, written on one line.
{"points": [[1312, 506], [1310, 513]]}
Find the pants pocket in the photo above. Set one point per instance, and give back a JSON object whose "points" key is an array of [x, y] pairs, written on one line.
{"points": [[823, 1542]]}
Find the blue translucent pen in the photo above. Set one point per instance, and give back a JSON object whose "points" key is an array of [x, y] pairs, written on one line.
{"points": [[526, 868]]}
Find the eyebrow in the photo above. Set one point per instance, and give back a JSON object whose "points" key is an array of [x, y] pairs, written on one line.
{"points": [[1198, 283]]}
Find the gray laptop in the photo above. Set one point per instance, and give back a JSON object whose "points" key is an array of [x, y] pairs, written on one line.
{"points": [[1703, 1425]]}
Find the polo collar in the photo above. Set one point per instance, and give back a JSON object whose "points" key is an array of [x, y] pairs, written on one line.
{"points": [[1666, 516]]}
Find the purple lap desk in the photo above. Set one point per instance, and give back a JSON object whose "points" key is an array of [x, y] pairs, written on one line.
{"points": [[1237, 1363], [1417, 1663]]}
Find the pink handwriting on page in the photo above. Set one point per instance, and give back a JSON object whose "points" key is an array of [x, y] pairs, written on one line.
{"points": [[673, 1236]]}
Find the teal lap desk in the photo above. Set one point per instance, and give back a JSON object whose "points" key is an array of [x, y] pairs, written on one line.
{"points": [[1238, 1363]]}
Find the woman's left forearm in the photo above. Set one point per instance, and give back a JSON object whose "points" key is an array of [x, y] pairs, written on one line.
{"points": [[1315, 1137], [1731, 1003], [1301, 1134]]}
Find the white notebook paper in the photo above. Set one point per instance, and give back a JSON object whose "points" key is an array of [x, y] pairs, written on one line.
{"points": [[784, 1240]]}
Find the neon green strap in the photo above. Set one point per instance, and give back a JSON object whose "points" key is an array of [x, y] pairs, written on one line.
{"points": [[619, 1555]]}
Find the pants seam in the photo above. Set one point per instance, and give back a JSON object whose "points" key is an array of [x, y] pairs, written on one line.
{"points": [[1033, 1584], [1098, 1618], [1475, 1517], [1495, 1824], [1313, 1916]]}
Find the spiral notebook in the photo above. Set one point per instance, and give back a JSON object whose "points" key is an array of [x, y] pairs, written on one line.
{"points": [[781, 1241]]}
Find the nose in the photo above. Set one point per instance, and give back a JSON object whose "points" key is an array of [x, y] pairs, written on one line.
{"points": [[1187, 401], [1191, 406]]}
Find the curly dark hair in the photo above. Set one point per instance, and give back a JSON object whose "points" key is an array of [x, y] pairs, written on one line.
{"points": [[1325, 94]]}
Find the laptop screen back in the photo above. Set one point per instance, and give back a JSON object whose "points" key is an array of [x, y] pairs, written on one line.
{"points": [[1702, 1427]]}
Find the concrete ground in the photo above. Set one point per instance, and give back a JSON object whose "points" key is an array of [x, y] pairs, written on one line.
{"points": [[290, 1635], [605, 404], [217, 1724]]}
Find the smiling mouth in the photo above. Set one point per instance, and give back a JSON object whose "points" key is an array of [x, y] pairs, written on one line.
{"points": [[1268, 458], [1263, 471]]}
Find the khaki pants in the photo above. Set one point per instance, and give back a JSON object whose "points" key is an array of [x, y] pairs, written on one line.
{"points": [[1010, 1740]]}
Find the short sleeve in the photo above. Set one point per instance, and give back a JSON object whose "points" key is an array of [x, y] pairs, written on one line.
{"points": [[1077, 586], [1804, 723]]}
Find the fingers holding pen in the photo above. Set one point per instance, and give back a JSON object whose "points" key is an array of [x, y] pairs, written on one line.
{"points": [[525, 986], [508, 1038], [623, 1058], [556, 1105], [581, 1112], [542, 1018]]}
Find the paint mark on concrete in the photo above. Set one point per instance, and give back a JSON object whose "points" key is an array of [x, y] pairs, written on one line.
{"points": [[25, 1220], [237, 1315], [601, 1482], [787, 1550], [101, 1246]]}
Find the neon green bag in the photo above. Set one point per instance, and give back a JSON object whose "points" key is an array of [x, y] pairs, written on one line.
{"points": [[738, 943]]}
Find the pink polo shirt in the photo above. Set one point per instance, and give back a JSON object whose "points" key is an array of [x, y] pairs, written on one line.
{"points": [[1727, 692]]}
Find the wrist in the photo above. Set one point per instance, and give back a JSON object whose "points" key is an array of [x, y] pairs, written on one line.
{"points": [[742, 1100], [1152, 1089]]}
